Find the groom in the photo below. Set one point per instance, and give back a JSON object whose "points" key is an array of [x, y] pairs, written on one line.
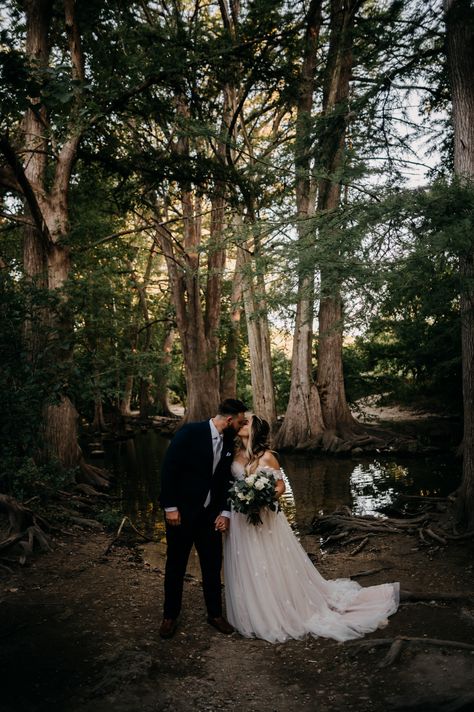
{"points": [[195, 481]]}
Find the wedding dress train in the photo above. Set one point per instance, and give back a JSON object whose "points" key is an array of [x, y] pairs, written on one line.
{"points": [[274, 592]]}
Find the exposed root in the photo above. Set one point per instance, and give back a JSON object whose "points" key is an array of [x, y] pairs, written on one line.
{"points": [[93, 476], [415, 596], [431, 525], [393, 653], [397, 644], [90, 491], [341, 524], [24, 530]]}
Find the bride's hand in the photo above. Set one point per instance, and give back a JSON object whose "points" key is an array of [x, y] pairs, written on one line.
{"points": [[279, 488]]}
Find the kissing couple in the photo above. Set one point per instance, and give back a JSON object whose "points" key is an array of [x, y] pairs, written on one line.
{"points": [[272, 589]]}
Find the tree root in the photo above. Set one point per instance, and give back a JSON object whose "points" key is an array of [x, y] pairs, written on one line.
{"points": [[92, 476], [396, 646], [347, 523], [90, 491], [25, 528], [429, 526], [415, 596]]}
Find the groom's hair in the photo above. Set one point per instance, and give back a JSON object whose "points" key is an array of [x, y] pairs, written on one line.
{"points": [[231, 406]]}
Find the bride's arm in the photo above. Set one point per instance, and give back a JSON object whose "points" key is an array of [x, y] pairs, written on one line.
{"points": [[268, 459]]}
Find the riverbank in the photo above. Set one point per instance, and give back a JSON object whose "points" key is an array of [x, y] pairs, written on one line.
{"points": [[80, 633]]}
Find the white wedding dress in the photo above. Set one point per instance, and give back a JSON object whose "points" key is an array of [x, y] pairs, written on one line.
{"points": [[273, 591]]}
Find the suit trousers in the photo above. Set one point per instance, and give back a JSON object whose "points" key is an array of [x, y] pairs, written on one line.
{"points": [[200, 531]]}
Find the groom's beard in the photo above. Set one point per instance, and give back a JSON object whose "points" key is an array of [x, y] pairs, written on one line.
{"points": [[231, 429]]}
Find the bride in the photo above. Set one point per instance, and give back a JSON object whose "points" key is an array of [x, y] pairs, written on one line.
{"points": [[272, 589]]}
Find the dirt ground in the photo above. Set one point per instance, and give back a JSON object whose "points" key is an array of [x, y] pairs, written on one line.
{"points": [[79, 633]]}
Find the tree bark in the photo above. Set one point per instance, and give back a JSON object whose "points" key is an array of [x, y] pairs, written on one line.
{"points": [[230, 359], [253, 282], [144, 391], [303, 418], [161, 392], [125, 403], [46, 254], [38, 17], [330, 377], [255, 307], [460, 50], [197, 337]]}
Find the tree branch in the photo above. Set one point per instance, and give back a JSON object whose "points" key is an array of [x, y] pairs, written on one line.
{"points": [[27, 190]]}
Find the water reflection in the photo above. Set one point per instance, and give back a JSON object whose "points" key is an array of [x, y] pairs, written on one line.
{"points": [[136, 464], [315, 484]]}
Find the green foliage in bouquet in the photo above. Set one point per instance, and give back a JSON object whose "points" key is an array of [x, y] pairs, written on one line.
{"points": [[254, 493]]}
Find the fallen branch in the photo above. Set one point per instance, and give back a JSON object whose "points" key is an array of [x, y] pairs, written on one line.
{"points": [[119, 531], [359, 547], [369, 572]]}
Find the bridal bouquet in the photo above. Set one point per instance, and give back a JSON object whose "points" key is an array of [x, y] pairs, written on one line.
{"points": [[254, 492]]}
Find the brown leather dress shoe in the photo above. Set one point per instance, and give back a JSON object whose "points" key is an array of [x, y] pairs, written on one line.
{"points": [[221, 625], [168, 627]]}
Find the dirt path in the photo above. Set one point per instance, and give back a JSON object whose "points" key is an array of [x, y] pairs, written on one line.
{"points": [[79, 633]]}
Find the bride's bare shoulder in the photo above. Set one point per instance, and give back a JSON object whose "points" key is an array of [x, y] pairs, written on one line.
{"points": [[268, 459]]}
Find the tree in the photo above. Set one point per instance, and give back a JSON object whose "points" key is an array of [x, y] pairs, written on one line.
{"points": [[303, 418], [460, 51], [44, 184]]}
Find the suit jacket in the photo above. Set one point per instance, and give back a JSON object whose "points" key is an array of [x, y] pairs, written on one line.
{"points": [[186, 475]]}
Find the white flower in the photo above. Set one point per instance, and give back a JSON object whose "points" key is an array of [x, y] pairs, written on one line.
{"points": [[250, 480], [264, 481], [240, 495], [259, 485]]}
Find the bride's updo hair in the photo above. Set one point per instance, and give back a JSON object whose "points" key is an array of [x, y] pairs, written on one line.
{"points": [[258, 438]]}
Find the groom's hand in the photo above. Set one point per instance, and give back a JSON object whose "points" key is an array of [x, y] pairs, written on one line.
{"points": [[173, 518], [221, 523]]}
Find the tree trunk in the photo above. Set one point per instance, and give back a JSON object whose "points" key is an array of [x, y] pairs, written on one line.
{"points": [[263, 392], [200, 357], [37, 48], [44, 249], [230, 359], [60, 420], [336, 414], [145, 400], [98, 423], [303, 418], [460, 48], [253, 285], [125, 403], [161, 391]]}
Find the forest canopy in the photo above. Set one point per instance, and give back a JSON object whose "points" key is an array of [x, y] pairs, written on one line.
{"points": [[244, 199]]}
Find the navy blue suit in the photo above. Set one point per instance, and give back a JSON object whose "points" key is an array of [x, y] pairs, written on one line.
{"points": [[186, 480]]}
